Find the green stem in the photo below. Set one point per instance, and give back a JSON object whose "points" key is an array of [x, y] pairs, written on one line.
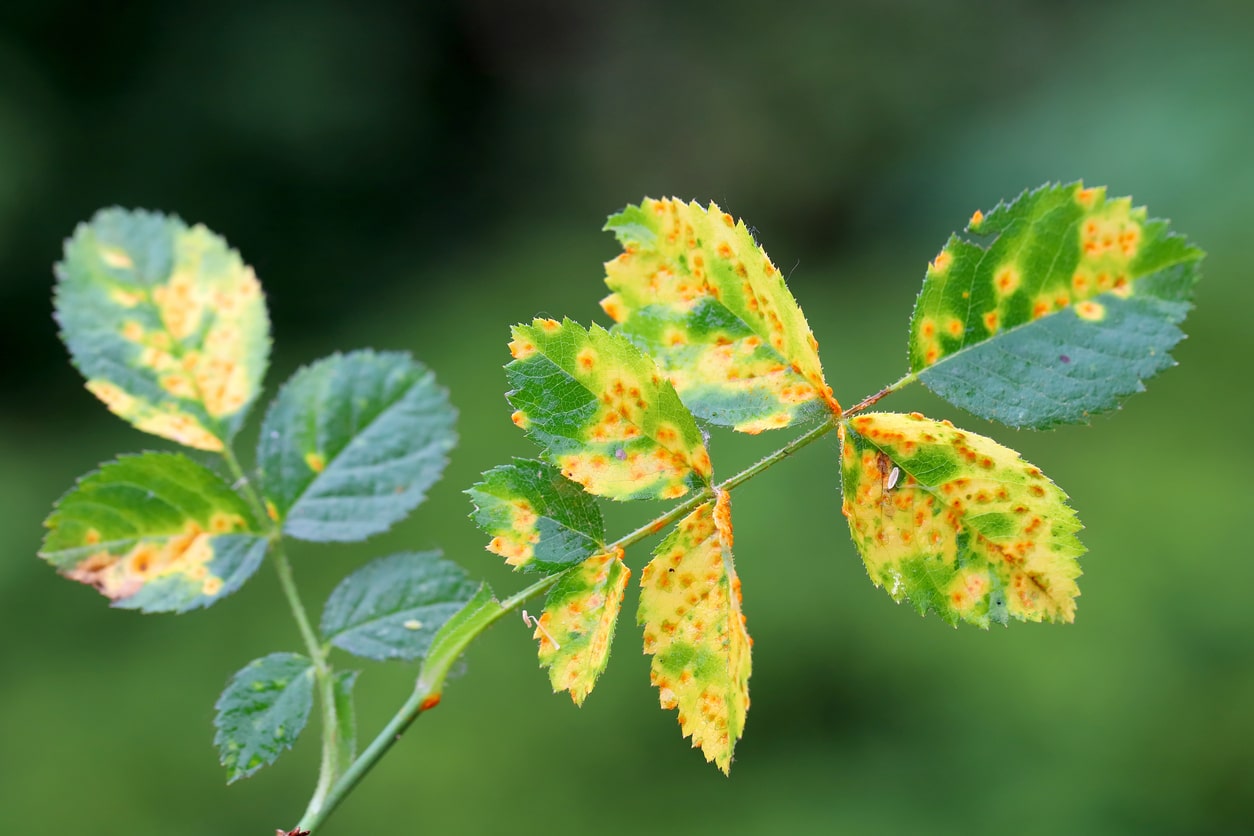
{"points": [[426, 695], [324, 677], [887, 390]]}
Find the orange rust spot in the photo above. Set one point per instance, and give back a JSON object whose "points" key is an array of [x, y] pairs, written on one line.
{"points": [[271, 511], [429, 702], [521, 349], [1040, 309], [1092, 311], [1122, 288], [1006, 280], [1086, 197], [519, 418], [942, 261], [586, 358], [954, 326], [613, 307], [991, 321], [931, 355], [977, 218], [316, 462]]}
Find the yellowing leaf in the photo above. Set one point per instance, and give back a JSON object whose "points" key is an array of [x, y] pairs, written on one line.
{"points": [[537, 518], [155, 532], [1059, 306], [956, 523], [577, 625], [604, 413], [166, 323], [690, 609], [693, 288]]}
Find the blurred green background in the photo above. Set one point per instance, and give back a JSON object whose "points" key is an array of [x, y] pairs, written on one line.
{"points": [[421, 176]]}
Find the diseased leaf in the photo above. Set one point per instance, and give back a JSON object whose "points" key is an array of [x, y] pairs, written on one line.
{"points": [[166, 323], [155, 532], [537, 517], [694, 628], [352, 443], [604, 413], [262, 711], [693, 289], [1062, 306], [956, 523], [392, 607], [577, 625]]}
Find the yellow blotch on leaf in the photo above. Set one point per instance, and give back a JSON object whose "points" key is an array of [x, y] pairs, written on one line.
{"points": [[694, 627], [315, 461], [575, 630], [1092, 311], [521, 349], [126, 298], [119, 576], [1006, 280], [117, 258]]}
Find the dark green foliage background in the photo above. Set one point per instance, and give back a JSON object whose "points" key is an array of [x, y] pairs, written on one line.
{"points": [[421, 176]]}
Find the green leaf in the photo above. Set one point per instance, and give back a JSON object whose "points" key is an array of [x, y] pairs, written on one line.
{"points": [[694, 628], [956, 523], [352, 443], [537, 517], [577, 626], [457, 632], [262, 711], [1060, 309], [155, 532], [693, 289], [604, 413], [392, 607], [166, 323], [345, 718]]}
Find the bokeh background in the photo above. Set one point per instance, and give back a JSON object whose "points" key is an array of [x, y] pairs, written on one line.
{"points": [[421, 176]]}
